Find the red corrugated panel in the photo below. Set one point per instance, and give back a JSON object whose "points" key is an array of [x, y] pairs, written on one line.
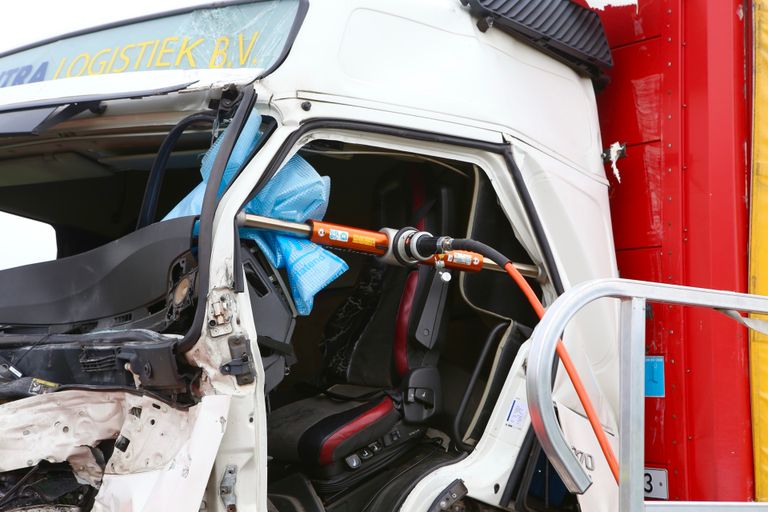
{"points": [[635, 90], [680, 216], [715, 238], [641, 213]]}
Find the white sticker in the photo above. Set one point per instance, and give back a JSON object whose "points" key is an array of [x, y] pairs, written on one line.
{"points": [[462, 258], [518, 412], [655, 483]]}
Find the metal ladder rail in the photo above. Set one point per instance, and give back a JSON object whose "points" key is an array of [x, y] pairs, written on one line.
{"points": [[633, 296]]}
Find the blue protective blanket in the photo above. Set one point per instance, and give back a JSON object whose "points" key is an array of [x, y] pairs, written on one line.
{"points": [[296, 193]]}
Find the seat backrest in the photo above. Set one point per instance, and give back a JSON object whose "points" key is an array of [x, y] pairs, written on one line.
{"points": [[377, 335], [121, 276]]}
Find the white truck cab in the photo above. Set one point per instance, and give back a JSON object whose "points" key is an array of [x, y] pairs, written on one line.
{"points": [[171, 359]]}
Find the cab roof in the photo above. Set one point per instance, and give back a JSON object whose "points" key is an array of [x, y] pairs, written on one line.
{"points": [[429, 59]]}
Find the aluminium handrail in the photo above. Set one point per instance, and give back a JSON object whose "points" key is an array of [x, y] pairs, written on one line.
{"points": [[633, 296]]}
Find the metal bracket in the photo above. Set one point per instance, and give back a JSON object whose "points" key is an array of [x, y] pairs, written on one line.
{"points": [[484, 23], [221, 316], [227, 488], [153, 365], [606, 154], [240, 366]]}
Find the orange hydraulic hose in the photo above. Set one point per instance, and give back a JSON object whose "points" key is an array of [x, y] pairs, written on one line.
{"points": [[572, 373]]}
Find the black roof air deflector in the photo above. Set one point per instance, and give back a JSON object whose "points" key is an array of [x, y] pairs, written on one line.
{"points": [[567, 31]]}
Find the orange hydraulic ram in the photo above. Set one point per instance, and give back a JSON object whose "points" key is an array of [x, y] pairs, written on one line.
{"points": [[352, 239], [375, 243]]}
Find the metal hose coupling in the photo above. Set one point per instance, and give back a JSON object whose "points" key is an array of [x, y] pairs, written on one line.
{"points": [[410, 246]]}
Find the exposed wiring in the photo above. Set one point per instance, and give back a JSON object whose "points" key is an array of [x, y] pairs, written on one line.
{"points": [[31, 347], [6, 498]]}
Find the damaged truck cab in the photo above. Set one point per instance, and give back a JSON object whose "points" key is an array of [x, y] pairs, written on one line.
{"points": [[172, 358]]}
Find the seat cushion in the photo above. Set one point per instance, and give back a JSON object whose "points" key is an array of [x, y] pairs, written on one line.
{"points": [[320, 430]]}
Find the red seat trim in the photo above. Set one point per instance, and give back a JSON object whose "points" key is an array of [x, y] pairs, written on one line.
{"points": [[363, 421], [400, 346], [401, 327]]}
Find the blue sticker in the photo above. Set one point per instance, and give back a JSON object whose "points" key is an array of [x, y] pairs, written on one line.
{"points": [[654, 376], [339, 235]]}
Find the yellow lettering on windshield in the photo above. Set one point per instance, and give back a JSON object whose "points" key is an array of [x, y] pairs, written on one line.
{"points": [[101, 64], [143, 46], [163, 51], [58, 69], [152, 55], [112, 60], [168, 52], [86, 57], [243, 56], [219, 55], [126, 60], [186, 51]]}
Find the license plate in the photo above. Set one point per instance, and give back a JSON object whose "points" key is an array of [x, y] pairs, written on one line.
{"points": [[655, 484]]}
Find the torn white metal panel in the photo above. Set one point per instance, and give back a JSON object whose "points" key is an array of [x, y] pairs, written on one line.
{"points": [[186, 474], [166, 447], [55, 426], [85, 467], [154, 435]]}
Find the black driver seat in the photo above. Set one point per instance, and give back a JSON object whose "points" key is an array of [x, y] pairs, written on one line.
{"points": [[382, 362]]}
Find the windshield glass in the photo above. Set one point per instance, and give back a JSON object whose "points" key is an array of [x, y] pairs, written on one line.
{"points": [[236, 36], [87, 177]]}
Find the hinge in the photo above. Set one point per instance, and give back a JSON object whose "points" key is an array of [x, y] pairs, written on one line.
{"points": [[449, 497], [227, 488], [221, 316], [240, 366]]}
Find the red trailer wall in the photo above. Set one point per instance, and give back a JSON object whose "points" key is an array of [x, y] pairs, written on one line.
{"points": [[678, 98]]}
